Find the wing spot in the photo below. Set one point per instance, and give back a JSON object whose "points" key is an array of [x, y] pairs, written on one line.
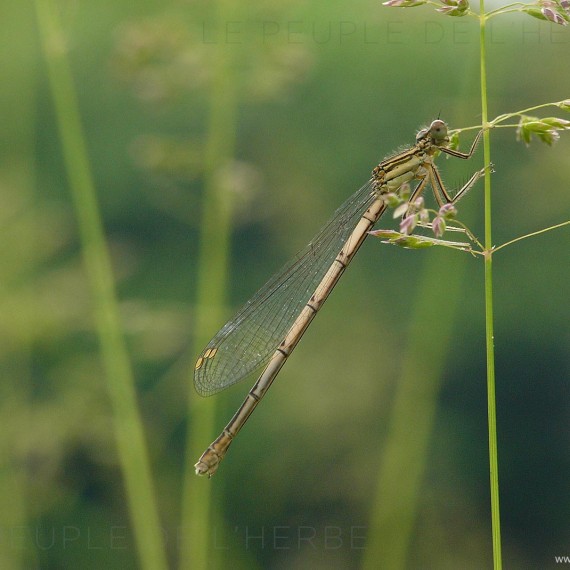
{"points": [[199, 363], [208, 353]]}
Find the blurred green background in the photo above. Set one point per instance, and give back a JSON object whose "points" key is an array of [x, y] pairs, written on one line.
{"points": [[374, 436]]}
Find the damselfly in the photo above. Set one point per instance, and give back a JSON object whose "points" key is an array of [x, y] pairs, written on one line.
{"points": [[271, 323]]}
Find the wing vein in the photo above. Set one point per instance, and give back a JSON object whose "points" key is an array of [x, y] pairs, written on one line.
{"points": [[248, 340]]}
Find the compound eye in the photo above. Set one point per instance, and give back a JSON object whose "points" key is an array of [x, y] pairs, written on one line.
{"points": [[438, 130]]}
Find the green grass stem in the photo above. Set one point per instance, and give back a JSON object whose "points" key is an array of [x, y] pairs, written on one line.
{"points": [[128, 427], [212, 271], [489, 327]]}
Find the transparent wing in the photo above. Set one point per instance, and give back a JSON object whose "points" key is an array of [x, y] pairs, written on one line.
{"points": [[249, 339]]}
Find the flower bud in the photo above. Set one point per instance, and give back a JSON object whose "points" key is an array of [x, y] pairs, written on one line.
{"points": [[401, 210], [438, 226], [447, 211], [408, 224]]}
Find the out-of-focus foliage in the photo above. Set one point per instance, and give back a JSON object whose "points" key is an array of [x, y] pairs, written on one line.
{"points": [[324, 91]]}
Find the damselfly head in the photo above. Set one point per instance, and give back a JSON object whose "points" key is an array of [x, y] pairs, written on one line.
{"points": [[438, 131]]}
